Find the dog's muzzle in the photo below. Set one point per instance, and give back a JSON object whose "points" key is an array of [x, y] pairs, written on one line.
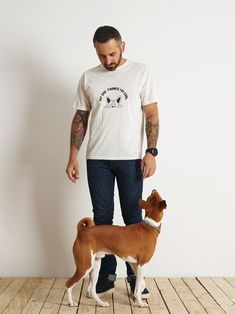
{"points": [[153, 191]]}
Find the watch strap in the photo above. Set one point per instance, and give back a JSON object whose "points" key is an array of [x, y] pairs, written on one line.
{"points": [[152, 150]]}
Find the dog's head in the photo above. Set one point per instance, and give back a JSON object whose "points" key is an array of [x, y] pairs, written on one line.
{"points": [[153, 206]]}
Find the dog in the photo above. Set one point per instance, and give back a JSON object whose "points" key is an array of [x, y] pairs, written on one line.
{"points": [[134, 243]]}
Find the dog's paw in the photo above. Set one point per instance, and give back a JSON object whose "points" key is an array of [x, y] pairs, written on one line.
{"points": [[143, 304], [103, 304], [73, 303]]}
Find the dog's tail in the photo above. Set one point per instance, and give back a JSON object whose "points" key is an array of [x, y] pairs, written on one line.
{"points": [[85, 224]]}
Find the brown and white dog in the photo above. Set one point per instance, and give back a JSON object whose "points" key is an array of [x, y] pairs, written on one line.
{"points": [[134, 243]]}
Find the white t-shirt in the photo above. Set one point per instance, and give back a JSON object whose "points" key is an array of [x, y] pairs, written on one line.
{"points": [[115, 99]]}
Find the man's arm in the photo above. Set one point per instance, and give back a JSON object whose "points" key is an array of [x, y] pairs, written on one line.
{"points": [[152, 124], [78, 132], [148, 165]]}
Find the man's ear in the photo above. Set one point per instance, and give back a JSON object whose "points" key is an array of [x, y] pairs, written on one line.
{"points": [[123, 45], [162, 204], [142, 204]]}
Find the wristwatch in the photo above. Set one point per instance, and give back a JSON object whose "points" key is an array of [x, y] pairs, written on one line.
{"points": [[152, 150]]}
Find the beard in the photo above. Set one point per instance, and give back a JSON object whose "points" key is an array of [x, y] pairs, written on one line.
{"points": [[113, 66]]}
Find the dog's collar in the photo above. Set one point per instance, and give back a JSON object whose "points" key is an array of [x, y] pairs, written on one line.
{"points": [[153, 224]]}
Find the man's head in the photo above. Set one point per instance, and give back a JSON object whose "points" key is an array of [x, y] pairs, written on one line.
{"points": [[109, 46]]}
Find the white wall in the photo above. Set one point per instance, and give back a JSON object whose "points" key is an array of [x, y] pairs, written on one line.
{"points": [[45, 47]]}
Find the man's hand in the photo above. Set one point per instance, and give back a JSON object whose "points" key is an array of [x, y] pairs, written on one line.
{"points": [[148, 165], [72, 171]]}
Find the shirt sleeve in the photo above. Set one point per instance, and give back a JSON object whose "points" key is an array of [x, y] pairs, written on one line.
{"points": [[82, 101], [148, 94]]}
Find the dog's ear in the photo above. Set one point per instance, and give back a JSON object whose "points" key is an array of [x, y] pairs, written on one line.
{"points": [[162, 204]]}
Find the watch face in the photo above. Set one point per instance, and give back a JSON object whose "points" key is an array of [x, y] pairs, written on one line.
{"points": [[152, 151]]}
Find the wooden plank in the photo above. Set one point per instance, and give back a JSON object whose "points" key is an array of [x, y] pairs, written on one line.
{"points": [[55, 297], [155, 301], [86, 305], [171, 298], [219, 296], [39, 296], [202, 295], [226, 287], [65, 308], [8, 294], [4, 283], [121, 301], [190, 301], [134, 306], [231, 280], [22, 297]]}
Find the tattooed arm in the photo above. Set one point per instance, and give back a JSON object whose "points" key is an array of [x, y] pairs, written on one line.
{"points": [[148, 165], [152, 125], [78, 132]]}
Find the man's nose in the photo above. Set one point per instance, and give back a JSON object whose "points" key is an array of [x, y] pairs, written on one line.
{"points": [[108, 60]]}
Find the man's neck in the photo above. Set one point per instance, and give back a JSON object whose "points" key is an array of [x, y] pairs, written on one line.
{"points": [[122, 62]]}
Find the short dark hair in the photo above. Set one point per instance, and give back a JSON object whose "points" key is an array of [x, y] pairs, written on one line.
{"points": [[105, 33]]}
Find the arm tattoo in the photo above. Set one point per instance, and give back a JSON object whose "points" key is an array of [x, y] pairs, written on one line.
{"points": [[78, 128], [152, 130]]}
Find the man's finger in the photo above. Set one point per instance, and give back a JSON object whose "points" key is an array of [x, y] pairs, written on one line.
{"points": [[76, 173], [150, 173], [146, 171], [71, 175]]}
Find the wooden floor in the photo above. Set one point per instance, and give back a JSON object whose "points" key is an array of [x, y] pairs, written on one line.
{"points": [[168, 295]]}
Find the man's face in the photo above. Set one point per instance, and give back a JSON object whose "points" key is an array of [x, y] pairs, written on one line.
{"points": [[110, 53]]}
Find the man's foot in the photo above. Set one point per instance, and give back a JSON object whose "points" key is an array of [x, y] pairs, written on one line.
{"points": [[105, 285], [131, 280]]}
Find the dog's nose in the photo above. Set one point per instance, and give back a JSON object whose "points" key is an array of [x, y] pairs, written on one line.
{"points": [[153, 191]]}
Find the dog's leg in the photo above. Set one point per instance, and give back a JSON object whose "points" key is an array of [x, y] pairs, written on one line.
{"points": [[69, 287], [134, 268], [89, 286], [139, 286], [94, 278], [70, 298], [90, 281], [83, 268], [142, 285]]}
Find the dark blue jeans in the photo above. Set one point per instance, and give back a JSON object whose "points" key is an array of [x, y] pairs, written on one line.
{"points": [[101, 176]]}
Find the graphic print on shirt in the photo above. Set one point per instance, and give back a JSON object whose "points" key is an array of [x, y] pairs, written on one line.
{"points": [[113, 97]]}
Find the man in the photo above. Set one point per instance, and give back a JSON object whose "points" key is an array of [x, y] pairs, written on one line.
{"points": [[117, 94]]}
